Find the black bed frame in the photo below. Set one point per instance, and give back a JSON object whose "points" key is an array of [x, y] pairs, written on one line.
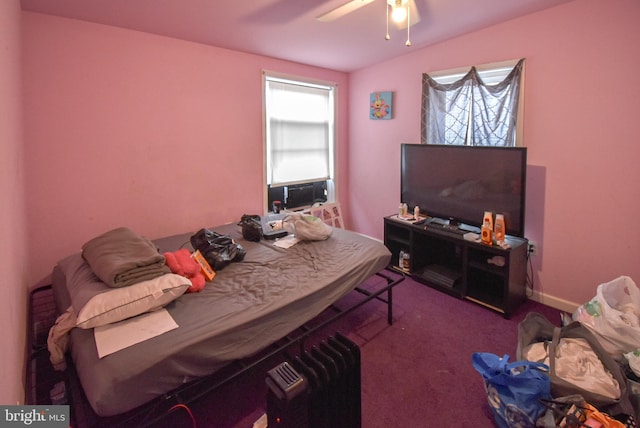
{"points": [[46, 386]]}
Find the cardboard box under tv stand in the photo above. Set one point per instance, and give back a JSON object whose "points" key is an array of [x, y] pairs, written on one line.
{"points": [[441, 258]]}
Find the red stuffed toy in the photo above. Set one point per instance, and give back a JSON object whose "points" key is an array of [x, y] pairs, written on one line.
{"points": [[181, 263]]}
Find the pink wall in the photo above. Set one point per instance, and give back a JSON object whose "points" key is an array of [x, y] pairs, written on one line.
{"points": [[131, 129], [164, 136], [580, 126], [13, 249]]}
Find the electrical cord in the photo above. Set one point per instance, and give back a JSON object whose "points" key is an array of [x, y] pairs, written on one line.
{"points": [[186, 409], [529, 276]]}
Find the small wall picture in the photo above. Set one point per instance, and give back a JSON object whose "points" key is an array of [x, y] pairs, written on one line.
{"points": [[380, 105]]}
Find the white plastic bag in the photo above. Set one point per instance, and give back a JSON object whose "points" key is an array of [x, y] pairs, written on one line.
{"points": [[633, 358], [613, 315], [307, 227]]}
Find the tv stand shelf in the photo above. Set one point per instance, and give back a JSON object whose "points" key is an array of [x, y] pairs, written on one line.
{"points": [[441, 258]]}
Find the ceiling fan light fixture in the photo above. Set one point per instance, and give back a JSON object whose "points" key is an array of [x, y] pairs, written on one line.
{"points": [[399, 14], [400, 11], [397, 3]]}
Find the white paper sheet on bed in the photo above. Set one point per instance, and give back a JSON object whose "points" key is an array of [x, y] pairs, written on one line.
{"points": [[115, 337], [248, 306]]}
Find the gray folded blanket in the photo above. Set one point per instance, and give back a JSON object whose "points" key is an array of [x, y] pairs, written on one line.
{"points": [[121, 257]]}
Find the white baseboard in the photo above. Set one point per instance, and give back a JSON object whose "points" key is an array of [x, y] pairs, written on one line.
{"points": [[554, 302]]}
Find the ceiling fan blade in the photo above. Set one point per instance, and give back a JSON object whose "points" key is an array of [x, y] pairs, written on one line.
{"points": [[343, 10]]}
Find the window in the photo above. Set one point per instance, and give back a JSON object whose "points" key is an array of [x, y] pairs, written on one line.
{"points": [[299, 139], [480, 106]]}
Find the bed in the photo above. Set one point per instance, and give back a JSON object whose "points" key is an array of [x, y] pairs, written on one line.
{"points": [[248, 306]]}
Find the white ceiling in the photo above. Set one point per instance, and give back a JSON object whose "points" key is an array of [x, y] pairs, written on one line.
{"points": [[288, 29]]}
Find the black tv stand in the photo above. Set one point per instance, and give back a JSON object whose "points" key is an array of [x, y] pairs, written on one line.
{"points": [[442, 258]]}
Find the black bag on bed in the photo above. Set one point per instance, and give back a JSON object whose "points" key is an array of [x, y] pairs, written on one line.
{"points": [[219, 250], [251, 227]]}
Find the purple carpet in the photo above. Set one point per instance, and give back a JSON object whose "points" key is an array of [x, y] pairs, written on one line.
{"points": [[415, 373]]}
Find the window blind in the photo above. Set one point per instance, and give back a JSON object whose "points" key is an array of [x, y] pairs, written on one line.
{"points": [[299, 120]]}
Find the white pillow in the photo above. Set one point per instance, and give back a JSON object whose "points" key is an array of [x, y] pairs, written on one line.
{"points": [[118, 304]]}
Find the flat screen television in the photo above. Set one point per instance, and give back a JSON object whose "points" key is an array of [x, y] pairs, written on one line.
{"points": [[460, 183]]}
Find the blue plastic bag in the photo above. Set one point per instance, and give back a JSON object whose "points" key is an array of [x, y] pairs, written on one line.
{"points": [[513, 389]]}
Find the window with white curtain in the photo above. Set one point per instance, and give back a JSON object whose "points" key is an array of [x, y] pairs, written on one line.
{"points": [[477, 106], [299, 130]]}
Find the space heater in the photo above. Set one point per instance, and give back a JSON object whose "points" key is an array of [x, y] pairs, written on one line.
{"points": [[320, 388]]}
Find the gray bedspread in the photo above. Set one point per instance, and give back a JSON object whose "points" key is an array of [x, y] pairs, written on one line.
{"points": [[248, 305]]}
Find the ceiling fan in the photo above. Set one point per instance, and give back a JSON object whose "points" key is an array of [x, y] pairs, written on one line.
{"points": [[354, 5]]}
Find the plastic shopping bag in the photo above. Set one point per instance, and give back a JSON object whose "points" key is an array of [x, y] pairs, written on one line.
{"points": [[602, 418], [613, 316], [307, 227], [513, 389]]}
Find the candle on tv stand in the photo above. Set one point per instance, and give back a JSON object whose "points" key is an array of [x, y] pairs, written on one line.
{"points": [[499, 228], [487, 220], [486, 234]]}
